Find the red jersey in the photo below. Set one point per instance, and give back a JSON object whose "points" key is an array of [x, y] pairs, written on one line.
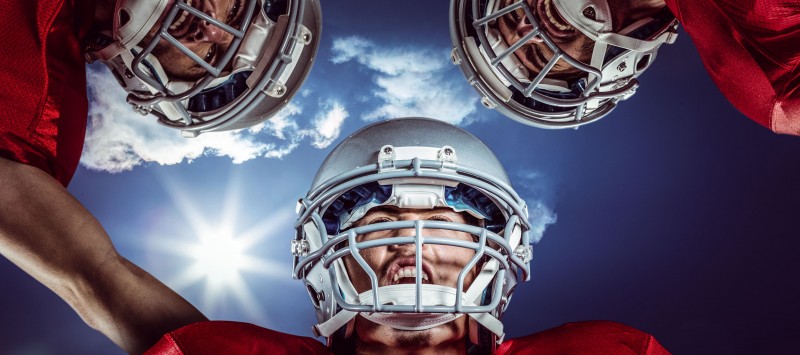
{"points": [[43, 76], [219, 337], [751, 49]]}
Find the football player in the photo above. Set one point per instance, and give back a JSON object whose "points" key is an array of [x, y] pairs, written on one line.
{"points": [[410, 240], [565, 63], [196, 65]]}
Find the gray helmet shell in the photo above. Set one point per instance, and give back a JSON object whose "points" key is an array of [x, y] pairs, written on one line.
{"points": [[270, 56], [361, 148], [490, 65], [412, 152]]}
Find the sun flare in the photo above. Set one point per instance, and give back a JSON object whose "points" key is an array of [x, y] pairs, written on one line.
{"points": [[218, 253]]}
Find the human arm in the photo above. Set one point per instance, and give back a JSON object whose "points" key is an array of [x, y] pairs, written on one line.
{"points": [[51, 236], [750, 49]]}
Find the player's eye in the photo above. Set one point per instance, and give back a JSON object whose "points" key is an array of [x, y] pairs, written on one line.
{"points": [[439, 218], [212, 51], [233, 16], [379, 220]]}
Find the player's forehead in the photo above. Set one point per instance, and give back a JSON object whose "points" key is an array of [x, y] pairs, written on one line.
{"points": [[397, 211]]}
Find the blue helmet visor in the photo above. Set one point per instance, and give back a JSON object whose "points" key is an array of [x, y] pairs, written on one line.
{"points": [[461, 198]]}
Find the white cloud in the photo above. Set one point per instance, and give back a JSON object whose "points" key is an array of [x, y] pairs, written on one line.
{"points": [[345, 49], [119, 139], [540, 216], [410, 81], [327, 125], [535, 189]]}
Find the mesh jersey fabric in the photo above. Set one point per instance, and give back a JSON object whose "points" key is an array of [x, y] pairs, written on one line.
{"points": [[751, 49], [222, 337], [43, 73], [589, 337]]}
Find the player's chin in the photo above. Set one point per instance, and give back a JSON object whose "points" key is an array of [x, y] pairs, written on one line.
{"points": [[437, 336]]}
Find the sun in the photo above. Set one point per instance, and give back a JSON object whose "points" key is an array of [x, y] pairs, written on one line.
{"points": [[217, 252], [219, 256]]}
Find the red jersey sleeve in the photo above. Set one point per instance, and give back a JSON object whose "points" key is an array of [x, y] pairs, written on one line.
{"points": [[592, 337], [43, 76], [221, 337], [751, 49]]}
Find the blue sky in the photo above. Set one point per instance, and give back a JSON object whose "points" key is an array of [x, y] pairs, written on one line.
{"points": [[675, 214]]}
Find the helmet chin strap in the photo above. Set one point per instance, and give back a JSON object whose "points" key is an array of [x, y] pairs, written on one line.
{"points": [[431, 295], [404, 294]]}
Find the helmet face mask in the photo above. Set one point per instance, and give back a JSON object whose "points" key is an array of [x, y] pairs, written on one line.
{"points": [[491, 65], [413, 177], [270, 53]]}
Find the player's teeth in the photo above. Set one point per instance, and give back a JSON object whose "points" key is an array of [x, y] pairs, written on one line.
{"points": [[408, 272], [180, 21], [548, 12]]}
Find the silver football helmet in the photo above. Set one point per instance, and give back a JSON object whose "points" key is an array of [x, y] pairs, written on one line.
{"points": [[538, 99], [415, 163], [269, 56]]}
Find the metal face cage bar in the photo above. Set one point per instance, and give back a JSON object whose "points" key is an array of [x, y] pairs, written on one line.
{"points": [[320, 198], [578, 105], [345, 244], [275, 69]]}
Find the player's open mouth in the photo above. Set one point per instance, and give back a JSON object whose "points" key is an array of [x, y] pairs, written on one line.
{"points": [[408, 275], [181, 20], [551, 20], [403, 270]]}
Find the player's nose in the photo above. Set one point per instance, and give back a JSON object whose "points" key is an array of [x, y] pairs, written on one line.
{"points": [[524, 27], [208, 32], [409, 248]]}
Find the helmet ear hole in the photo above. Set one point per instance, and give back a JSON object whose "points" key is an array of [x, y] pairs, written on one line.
{"points": [[118, 76], [316, 296], [643, 63], [590, 13], [275, 8], [124, 17]]}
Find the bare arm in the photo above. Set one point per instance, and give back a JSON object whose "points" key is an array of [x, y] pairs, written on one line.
{"points": [[52, 237]]}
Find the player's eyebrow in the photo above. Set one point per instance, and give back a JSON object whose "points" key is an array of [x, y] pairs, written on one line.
{"points": [[389, 209]]}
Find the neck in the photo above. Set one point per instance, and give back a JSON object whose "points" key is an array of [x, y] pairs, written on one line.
{"points": [[445, 339], [104, 13], [448, 348]]}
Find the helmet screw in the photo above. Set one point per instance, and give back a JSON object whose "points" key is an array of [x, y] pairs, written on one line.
{"points": [[306, 37], [454, 57], [387, 150], [448, 151], [622, 66], [488, 103]]}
